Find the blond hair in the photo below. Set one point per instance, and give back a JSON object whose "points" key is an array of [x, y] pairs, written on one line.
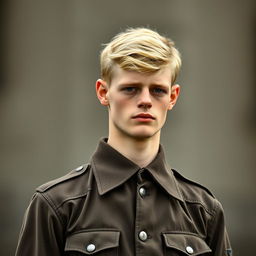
{"points": [[142, 50]]}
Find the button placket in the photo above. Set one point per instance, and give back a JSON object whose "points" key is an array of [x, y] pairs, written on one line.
{"points": [[142, 235]]}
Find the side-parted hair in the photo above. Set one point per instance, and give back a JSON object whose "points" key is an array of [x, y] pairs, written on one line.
{"points": [[139, 49]]}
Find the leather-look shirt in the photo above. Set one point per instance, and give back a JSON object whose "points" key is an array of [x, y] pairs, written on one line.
{"points": [[113, 207]]}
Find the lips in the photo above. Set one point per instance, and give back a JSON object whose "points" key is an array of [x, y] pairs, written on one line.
{"points": [[144, 116]]}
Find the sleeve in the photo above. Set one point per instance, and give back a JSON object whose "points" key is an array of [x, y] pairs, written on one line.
{"points": [[218, 236], [42, 230]]}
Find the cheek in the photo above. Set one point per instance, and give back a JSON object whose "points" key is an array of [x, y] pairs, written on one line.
{"points": [[164, 107], [119, 106]]}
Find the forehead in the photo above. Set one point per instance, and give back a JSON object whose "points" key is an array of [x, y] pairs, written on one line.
{"points": [[121, 76]]}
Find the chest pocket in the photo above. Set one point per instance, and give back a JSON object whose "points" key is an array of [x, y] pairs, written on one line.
{"points": [[177, 244], [93, 242]]}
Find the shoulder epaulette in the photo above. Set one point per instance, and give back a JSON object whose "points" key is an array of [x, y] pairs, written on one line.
{"points": [[74, 173], [177, 174]]}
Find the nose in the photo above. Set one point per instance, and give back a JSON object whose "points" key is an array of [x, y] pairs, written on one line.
{"points": [[145, 100]]}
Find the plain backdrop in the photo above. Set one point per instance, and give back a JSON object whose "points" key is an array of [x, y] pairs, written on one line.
{"points": [[51, 120]]}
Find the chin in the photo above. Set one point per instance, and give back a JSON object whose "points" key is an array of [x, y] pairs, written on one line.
{"points": [[142, 135], [139, 133]]}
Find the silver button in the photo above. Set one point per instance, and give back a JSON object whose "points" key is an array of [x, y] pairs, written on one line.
{"points": [[189, 249], [90, 248], [142, 191], [80, 168], [143, 236]]}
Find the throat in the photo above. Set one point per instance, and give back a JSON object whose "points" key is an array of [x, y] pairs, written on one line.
{"points": [[141, 152]]}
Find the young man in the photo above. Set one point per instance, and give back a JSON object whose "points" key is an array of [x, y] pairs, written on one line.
{"points": [[127, 201]]}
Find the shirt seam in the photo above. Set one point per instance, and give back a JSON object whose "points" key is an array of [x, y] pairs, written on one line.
{"points": [[177, 186], [211, 212], [52, 206], [96, 230], [72, 198], [184, 233], [97, 178]]}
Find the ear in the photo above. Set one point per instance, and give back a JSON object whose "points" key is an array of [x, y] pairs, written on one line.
{"points": [[101, 91], [175, 91]]}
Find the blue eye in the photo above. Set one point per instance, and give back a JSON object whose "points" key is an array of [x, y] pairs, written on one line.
{"points": [[159, 91], [129, 89]]}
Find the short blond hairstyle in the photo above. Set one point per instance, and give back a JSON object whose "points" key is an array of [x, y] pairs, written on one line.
{"points": [[142, 50]]}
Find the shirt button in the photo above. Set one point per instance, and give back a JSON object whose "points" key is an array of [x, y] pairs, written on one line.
{"points": [[142, 191], [143, 236], [189, 249], [90, 248]]}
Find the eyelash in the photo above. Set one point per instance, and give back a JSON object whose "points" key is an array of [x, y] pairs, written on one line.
{"points": [[129, 89], [159, 91]]}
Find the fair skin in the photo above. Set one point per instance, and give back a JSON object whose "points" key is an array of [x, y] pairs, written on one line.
{"points": [[137, 105]]}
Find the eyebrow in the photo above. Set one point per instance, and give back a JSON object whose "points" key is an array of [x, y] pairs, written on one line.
{"points": [[130, 83], [141, 84]]}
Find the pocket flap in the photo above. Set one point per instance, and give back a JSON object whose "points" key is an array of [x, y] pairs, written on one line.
{"points": [[187, 243], [92, 241]]}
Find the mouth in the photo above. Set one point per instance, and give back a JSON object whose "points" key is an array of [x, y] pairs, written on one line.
{"points": [[144, 117]]}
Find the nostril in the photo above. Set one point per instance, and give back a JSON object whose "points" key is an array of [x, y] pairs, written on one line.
{"points": [[145, 105]]}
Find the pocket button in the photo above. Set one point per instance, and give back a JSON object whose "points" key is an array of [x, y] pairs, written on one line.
{"points": [[90, 248], [189, 249]]}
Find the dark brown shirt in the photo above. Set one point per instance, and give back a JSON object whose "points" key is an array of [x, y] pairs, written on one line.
{"points": [[113, 207]]}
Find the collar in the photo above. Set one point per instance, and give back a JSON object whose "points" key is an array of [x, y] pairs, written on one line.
{"points": [[111, 169]]}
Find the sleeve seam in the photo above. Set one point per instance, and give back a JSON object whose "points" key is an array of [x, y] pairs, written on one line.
{"points": [[52, 206], [212, 221]]}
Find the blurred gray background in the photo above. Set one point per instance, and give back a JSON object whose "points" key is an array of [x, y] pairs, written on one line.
{"points": [[51, 121]]}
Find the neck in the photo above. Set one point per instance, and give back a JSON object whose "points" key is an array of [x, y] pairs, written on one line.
{"points": [[140, 151]]}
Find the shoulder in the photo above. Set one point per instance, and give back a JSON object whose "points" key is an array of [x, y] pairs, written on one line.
{"points": [[195, 193], [70, 186]]}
